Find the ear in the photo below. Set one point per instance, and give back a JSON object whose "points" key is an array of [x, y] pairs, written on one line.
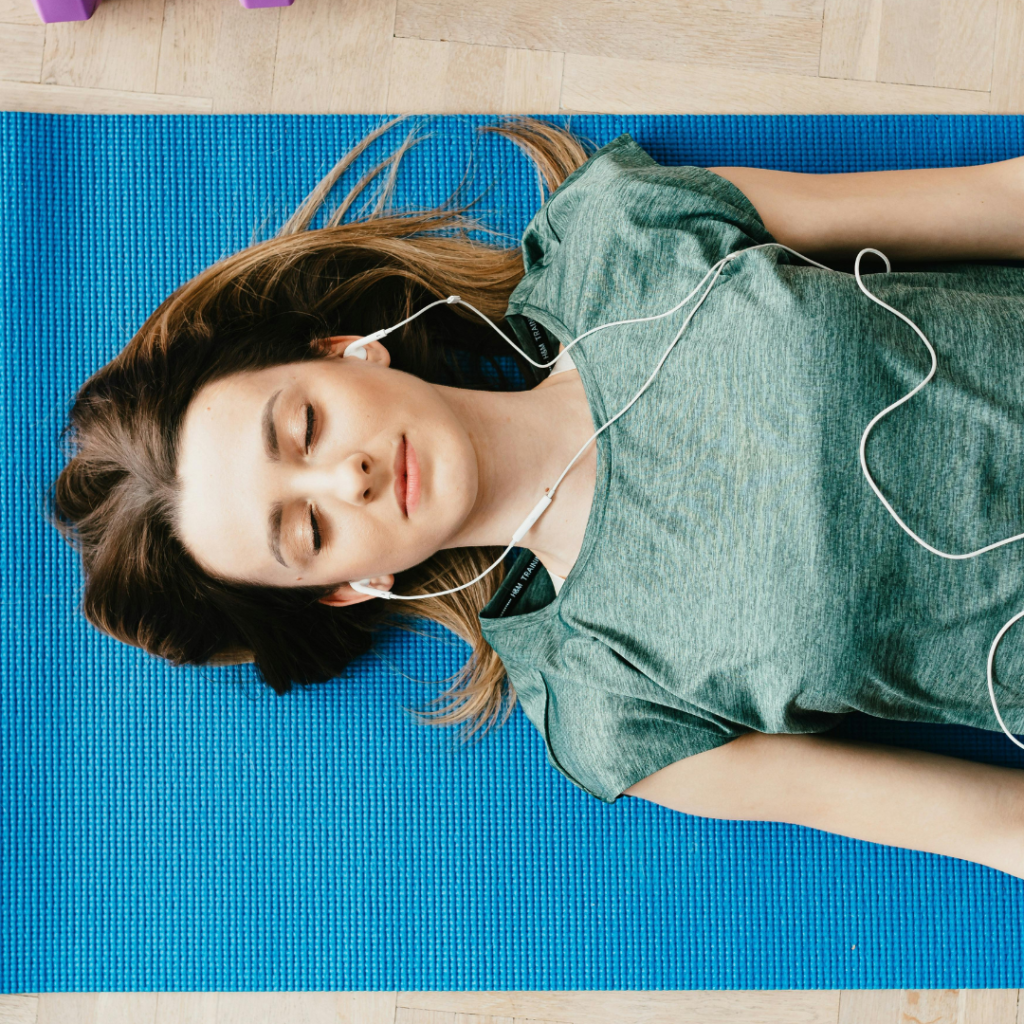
{"points": [[375, 351], [344, 595]]}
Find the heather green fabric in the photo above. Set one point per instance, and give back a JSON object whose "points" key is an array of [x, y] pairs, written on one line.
{"points": [[737, 573]]}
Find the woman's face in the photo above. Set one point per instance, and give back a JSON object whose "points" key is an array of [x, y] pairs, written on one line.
{"points": [[322, 472]]}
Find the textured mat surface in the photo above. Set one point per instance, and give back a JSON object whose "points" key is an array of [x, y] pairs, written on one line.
{"points": [[179, 829]]}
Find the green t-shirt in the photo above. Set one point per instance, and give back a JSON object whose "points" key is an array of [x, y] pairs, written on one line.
{"points": [[737, 573]]}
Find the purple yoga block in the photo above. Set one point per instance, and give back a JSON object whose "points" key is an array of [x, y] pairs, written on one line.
{"points": [[65, 10], [265, 3]]}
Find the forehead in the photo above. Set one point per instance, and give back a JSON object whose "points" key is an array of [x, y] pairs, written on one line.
{"points": [[233, 392], [222, 415], [222, 467]]}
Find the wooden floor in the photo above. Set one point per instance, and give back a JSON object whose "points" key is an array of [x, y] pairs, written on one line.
{"points": [[541, 56], [538, 56], [928, 1007]]}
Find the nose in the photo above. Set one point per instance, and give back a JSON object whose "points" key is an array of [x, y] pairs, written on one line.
{"points": [[356, 479]]}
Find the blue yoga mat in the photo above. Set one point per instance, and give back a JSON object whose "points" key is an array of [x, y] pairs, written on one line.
{"points": [[187, 829]]}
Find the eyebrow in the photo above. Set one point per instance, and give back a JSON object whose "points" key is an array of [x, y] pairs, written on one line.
{"points": [[274, 532], [269, 430]]}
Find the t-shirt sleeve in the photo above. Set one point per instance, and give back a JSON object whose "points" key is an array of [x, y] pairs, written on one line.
{"points": [[604, 742], [621, 192]]}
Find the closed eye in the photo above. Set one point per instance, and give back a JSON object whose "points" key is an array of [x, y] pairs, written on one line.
{"points": [[310, 425], [316, 531]]}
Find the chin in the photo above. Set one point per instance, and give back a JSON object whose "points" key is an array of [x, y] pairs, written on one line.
{"points": [[448, 485]]}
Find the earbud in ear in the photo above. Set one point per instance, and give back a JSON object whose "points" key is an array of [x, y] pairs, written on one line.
{"points": [[357, 350], [363, 587]]}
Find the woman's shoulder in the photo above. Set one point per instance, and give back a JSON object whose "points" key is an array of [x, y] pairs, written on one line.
{"points": [[605, 726], [603, 740], [623, 186], [620, 217]]}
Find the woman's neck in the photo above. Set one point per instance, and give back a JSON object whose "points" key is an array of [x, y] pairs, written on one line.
{"points": [[523, 440]]}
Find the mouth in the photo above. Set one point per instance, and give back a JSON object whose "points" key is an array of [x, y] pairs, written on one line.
{"points": [[412, 478], [402, 477]]}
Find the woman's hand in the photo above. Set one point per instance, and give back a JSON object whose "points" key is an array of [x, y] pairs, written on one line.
{"points": [[881, 794], [948, 213]]}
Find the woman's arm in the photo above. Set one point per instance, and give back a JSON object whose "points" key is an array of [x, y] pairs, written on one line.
{"points": [[949, 213], [882, 794]]}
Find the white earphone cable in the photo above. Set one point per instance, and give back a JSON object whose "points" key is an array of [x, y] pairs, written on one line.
{"points": [[990, 665], [714, 273]]}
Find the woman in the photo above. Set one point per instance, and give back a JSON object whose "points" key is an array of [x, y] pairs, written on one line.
{"points": [[714, 585]]}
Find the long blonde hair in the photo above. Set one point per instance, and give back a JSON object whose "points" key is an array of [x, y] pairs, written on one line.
{"points": [[272, 303]]}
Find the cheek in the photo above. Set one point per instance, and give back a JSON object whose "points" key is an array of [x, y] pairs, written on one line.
{"points": [[359, 413]]}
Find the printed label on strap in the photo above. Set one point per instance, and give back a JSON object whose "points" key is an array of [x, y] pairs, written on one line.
{"points": [[541, 340], [519, 588]]}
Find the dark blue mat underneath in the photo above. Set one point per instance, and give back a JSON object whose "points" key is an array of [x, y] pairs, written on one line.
{"points": [[184, 829]]}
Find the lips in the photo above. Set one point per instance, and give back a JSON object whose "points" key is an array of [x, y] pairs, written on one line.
{"points": [[412, 479], [407, 478], [402, 477]]}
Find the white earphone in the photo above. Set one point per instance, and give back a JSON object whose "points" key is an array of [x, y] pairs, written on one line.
{"points": [[357, 350]]}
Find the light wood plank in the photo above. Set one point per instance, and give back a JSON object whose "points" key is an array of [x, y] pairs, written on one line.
{"points": [[850, 38], [276, 1007], [412, 1016], [1020, 1006], [533, 82], [69, 1008], [988, 1006], [117, 48], [18, 1009], [221, 51], [1008, 59], [365, 1007], [451, 14], [308, 58], [453, 78], [909, 42], [869, 1006], [967, 34], [448, 78], [126, 1007], [406, 1015], [930, 1006], [242, 75], [18, 12], [188, 47], [186, 1008], [671, 30], [617, 86], [55, 99], [774, 1007], [948, 44], [334, 56], [21, 52]]}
